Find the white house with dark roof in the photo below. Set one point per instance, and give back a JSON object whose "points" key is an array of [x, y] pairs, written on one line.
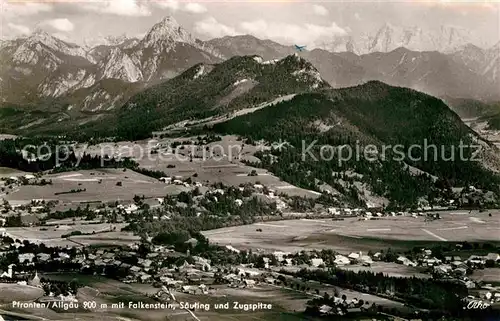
{"points": [[25, 257]]}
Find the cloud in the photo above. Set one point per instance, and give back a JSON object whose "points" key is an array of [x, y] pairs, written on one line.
{"points": [[15, 9], [211, 27], [464, 5], [320, 10], [168, 4], [60, 24], [19, 29], [309, 34], [174, 5], [131, 8], [195, 8]]}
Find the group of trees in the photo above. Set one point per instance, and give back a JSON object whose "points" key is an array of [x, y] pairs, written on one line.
{"points": [[201, 212], [422, 293], [13, 221], [52, 155], [87, 212], [60, 287]]}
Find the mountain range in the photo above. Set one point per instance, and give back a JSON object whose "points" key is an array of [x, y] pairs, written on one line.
{"points": [[42, 73], [130, 88], [446, 39]]}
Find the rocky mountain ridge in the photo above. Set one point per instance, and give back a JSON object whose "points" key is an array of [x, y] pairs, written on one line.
{"points": [[41, 67]]}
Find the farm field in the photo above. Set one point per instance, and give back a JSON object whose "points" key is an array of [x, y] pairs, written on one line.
{"points": [[109, 238], [300, 298], [359, 235], [6, 171], [15, 292], [487, 275], [51, 235], [222, 163], [98, 185]]}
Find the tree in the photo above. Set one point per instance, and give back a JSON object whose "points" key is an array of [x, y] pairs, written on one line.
{"points": [[137, 200]]}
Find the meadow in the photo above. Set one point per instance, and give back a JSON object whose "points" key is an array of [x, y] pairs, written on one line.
{"points": [[353, 234]]}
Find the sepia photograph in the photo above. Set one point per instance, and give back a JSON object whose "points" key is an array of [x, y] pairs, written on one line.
{"points": [[250, 160]]}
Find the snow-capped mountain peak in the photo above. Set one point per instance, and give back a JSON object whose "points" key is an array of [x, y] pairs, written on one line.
{"points": [[164, 41], [445, 39], [43, 50]]}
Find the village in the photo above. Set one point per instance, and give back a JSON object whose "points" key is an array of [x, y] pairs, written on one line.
{"points": [[62, 232], [197, 275], [45, 205]]}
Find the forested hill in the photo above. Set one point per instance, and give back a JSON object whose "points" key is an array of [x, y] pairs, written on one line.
{"points": [[373, 113], [207, 90]]}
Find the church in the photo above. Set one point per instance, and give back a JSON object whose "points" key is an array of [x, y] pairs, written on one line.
{"points": [[7, 274]]}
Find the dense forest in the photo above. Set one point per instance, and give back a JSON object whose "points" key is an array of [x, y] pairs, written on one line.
{"points": [[36, 155], [375, 114], [210, 211], [422, 293], [493, 122], [488, 112]]}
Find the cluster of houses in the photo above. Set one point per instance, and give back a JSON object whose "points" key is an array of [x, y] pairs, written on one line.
{"points": [[374, 214], [21, 278], [177, 180], [195, 276], [341, 307], [452, 267], [146, 270], [19, 179]]}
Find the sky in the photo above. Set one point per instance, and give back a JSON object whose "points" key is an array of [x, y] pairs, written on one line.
{"points": [[287, 22]]}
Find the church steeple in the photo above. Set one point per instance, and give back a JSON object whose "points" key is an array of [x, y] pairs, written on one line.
{"points": [[35, 281]]}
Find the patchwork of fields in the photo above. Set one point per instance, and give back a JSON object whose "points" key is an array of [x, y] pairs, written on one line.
{"points": [[358, 235], [102, 185], [51, 235], [221, 163]]}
